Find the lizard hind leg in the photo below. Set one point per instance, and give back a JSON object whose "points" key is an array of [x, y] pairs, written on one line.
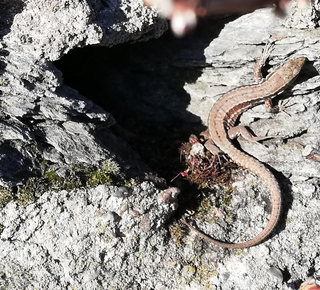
{"points": [[212, 147], [281, 107], [242, 131], [261, 63]]}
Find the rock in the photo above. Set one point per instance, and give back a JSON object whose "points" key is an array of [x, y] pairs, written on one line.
{"points": [[79, 230], [82, 236], [275, 272], [42, 119]]}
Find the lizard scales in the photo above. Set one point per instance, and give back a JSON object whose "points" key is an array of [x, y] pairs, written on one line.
{"points": [[223, 116]]}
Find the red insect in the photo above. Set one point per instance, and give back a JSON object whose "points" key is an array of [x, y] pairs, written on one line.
{"points": [[183, 13]]}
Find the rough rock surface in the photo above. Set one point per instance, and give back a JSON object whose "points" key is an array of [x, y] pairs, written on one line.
{"points": [[41, 119], [117, 237], [84, 239]]}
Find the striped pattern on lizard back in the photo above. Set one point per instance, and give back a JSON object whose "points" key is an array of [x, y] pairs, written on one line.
{"points": [[223, 116]]}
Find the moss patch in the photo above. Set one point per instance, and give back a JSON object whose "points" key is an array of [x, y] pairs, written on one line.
{"points": [[177, 234], [108, 172]]}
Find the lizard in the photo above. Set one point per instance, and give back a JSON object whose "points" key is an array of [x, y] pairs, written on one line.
{"points": [[222, 119]]}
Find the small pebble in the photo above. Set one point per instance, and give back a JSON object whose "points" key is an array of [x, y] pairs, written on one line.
{"points": [[169, 195], [276, 273], [121, 192]]}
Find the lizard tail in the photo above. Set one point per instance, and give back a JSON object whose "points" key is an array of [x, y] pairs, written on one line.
{"points": [[268, 178]]}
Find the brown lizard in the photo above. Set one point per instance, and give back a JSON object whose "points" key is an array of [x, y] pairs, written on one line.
{"points": [[222, 118]]}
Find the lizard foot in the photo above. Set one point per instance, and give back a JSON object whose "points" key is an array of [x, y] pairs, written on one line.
{"points": [[242, 131]]}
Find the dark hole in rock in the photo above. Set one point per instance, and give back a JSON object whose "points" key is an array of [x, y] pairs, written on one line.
{"points": [[142, 86]]}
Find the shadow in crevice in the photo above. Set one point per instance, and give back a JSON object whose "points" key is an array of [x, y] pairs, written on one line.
{"points": [[11, 160], [142, 85], [8, 9]]}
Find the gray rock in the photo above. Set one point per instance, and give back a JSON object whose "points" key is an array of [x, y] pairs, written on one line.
{"points": [[116, 237], [273, 271], [41, 119], [83, 238]]}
